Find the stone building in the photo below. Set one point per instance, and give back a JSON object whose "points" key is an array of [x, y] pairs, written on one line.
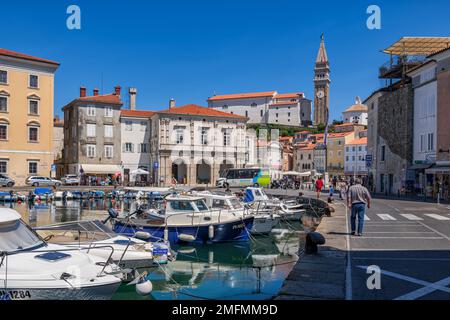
{"points": [[92, 135], [322, 86], [289, 109], [191, 144], [304, 157]]}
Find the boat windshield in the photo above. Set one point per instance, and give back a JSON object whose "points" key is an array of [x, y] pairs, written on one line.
{"points": [[220, 204], [181, 205], [201, 205], [16, 236], [235, 203]]}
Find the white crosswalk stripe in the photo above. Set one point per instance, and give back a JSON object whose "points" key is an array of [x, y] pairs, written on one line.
{"points": [[411, 217], [436, 216], [366, 218], [386, 217]]}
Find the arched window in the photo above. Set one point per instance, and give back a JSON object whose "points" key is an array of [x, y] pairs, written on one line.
{"points": [[4, 125], [33, 131]]}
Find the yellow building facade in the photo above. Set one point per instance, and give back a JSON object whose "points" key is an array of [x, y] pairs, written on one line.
{"points": [[336, 152], [26, 115]]}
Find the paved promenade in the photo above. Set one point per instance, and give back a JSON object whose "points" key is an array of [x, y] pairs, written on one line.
{"points": [[408, 242]]}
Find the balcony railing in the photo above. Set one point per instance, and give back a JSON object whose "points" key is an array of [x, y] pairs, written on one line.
{"points": [[399, 65]]}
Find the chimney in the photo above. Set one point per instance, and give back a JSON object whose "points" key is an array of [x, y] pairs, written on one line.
{"points": [[132, 92], [117, 90], [95, 92], [82, 92], [172, 103]]}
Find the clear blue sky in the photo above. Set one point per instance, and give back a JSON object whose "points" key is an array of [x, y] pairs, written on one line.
{"points": [[189, 49]]}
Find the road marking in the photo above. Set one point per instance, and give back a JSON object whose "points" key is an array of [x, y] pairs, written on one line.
{"points": [[434, 230], [428, 287], [386, 217], [411, 217], [437, 217], [400, 259], [397, 232], [366, 218], [411, 238]]}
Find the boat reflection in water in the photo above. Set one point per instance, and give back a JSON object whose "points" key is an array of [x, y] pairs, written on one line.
{"points": [[244, 270]]}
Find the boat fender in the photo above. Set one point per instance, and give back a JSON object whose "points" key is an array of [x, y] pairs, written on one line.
{"points": [[166, 234], [186, 237], [142, 235], [211, 232], [144, 288]]}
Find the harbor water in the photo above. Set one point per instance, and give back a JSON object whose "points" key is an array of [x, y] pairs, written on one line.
{"points": [[253, 270]]}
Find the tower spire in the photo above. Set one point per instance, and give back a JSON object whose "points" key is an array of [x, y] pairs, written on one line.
{"points": [[322, 56]]}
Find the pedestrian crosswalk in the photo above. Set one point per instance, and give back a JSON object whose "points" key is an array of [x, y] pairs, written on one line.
{"points": [[384, 217]]}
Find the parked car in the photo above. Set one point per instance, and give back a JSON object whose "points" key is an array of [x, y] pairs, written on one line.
{"points": [[6, 181], [70, 180], [36, 181]]}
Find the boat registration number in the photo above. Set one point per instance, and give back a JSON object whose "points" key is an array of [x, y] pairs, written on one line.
{"points": [[15, 295]]}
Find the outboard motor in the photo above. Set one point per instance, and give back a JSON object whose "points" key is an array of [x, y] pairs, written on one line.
{"points": [[112, 214]]}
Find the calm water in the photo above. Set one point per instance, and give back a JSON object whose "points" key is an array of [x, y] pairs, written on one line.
{"points": [[251, 270]]}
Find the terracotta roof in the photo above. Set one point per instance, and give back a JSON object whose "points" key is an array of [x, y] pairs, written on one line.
{"points": [[243, 95], [137, 113], [358, 141], [349, 125], [288, 95], [309, 146], [339, 134], [303, 132], [193, 109], [106, 98], [19, 55], [286, 138], [357, 107]]}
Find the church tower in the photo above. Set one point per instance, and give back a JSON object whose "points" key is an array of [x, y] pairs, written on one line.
{"points": [[321, 86]]}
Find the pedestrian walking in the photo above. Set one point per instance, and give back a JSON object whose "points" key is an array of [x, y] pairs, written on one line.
{"points": [[358, 198], [319, 187]]}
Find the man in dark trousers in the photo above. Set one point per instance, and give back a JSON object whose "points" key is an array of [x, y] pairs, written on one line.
{"points": [[358, 198]]}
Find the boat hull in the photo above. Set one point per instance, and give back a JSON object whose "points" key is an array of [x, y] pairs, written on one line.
{"points": [[264, 225], [237, 230]]}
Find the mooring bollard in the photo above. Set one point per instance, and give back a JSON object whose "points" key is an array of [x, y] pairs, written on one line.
{"points": [[313, 239]]}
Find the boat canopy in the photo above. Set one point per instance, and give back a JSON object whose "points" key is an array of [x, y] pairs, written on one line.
{"points": [[85, 226], [9, 215], [42, 191]]}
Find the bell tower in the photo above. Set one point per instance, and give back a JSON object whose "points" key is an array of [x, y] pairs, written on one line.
{"points": [[322, 86]]}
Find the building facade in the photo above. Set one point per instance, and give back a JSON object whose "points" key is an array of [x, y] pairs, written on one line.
{"points": [[191, 144], [291, 109], [304, 157], [336, 153], [355, 158], [135, 139], [92, 136], [322, 82], [26, 115]]}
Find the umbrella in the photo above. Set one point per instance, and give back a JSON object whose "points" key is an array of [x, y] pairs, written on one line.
{"points": [[139, 171]]}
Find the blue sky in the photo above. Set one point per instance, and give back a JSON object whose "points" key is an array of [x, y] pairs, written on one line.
{"points": [[188, 50]]}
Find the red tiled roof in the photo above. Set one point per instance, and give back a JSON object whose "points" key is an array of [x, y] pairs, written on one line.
{"points": [[358, 141], [288, 95], [303, 132], [19, 55], [286, 138], [243, 95], [193, 109], [137, 113], [106, 98], [339, 134], [309, 146]]}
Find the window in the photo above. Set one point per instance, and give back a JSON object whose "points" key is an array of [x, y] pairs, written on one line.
{"points": [[128, 126], [109, 131], [430, 141], [33, 134], [128, 147], [3, 76], [143, 126], [179, 135], [108, 152], [3, 131], [34, 81], [383, 153], [91, 130], [33, 107], [108, 112], [32, 167], [289, 114], [91, 150], [422, 142], [360, 148], [143, 147], [3, 166], [246, 113], [254, 105], [3, 104], [227, 137], [261, 112], [204, 136], [91, 111]]}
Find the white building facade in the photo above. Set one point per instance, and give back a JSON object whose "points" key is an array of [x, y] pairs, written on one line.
{"points": [[355, 158], [291, 109], [135, 152], [357, 113]]}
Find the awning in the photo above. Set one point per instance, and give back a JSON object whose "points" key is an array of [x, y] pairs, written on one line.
{"points": [[420, 166], [140, 172], [297, 174], [101, 168], [438, 170]]}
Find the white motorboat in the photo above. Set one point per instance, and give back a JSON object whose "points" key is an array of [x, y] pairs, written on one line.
{"points": [[62, 195], [286, 210], [97, 238], [264, 219], [32, 269]]}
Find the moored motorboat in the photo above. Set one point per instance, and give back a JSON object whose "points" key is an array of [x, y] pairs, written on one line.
{"points": [[32, 269], [185, 219]]}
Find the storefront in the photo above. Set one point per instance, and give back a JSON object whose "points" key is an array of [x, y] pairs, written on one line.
{"points": [[441, 181], [100, 174]]}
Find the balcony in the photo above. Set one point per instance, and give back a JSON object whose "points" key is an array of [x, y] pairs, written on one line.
{"points": [[398, 66]]}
